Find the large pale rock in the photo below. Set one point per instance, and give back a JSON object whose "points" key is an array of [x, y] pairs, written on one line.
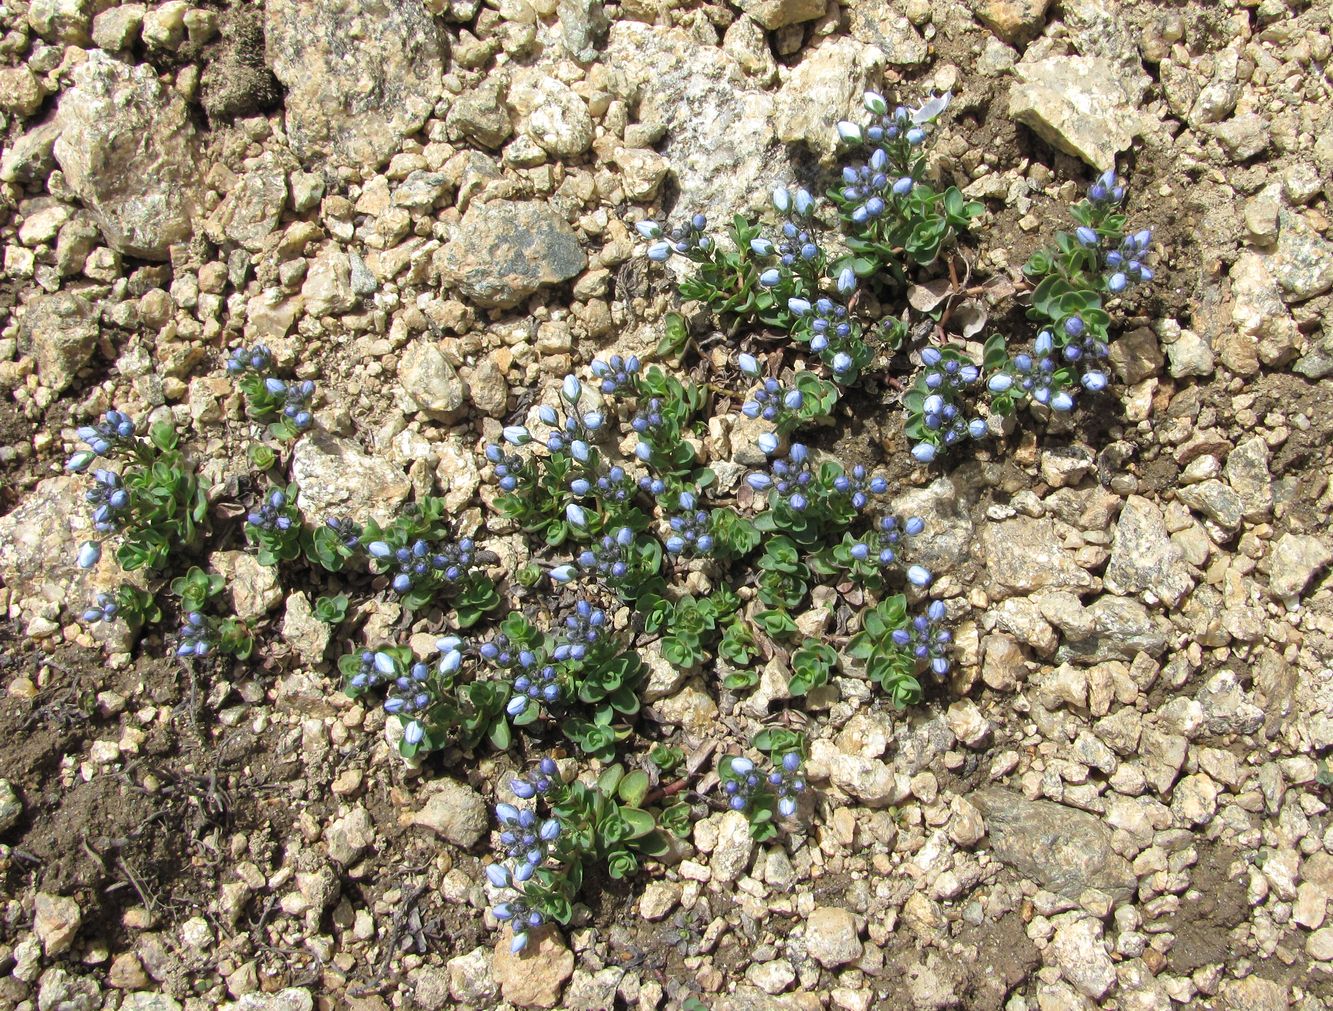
{"points": [[721, 139], [454, 812], [60, 332], [1062, 849], [128, 150], [1143, 556], [1024, 554], [1295, 560], [830, 936], [1015, 21], [360, 75], [503, 251], [1083, 106], [430, 380], [1081, 955], [337, 478], [888, 30], [56, 920], [1263, 325], [252, 208], [1303, 262], [327, 288], [553, 114], [254, 589], [780, 13], [825, 87]]}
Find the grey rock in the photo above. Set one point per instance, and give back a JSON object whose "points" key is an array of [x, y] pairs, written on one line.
{"points": [[479, 114], [31, 156], [1216, 99], [430, 380], [1023, 554], [1315, 363], [1136, 355], [11, 808], [774, 14], [60, 331], [128, 150], [359, 278], [1143, 556], [1294, 561], [420, 191], [1215, 500], [350, 835], [1083, 106], [1190, 355], [585, 24], [1303, 262], [353, 103], [1079, 951], [1227, 707], [947, 539], [1062, 849], [430, 989], [68, 21], [59, 990], [885, 28], [21, 91], [505, 250], [303, 631], [337, 479], [830, 936], [1247, 472], [148, 1000], [456, 813], [1113, 628], [1264, 330], [327, 288]]}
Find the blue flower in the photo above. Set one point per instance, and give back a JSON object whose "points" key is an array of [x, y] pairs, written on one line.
{"points": [[90, 553]]}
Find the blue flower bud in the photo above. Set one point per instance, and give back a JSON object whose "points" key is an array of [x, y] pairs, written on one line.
{"points": [[742, 766], [919, 575], [923, 452], [659, 252], [793, 400], [842, 362], [748, 364], [976, 428], [562, 573], [517, 435], [848, 132], [771, 277], [649, 229], [498, 875], [930, 357], [80, 461], [903, 186], [761, 247], [275, 386], [782, 200], [759, 482], [846, 281], [767, 443], [571, 389], [1087, 236], [874, 102], [90, 553], [1062, 401], [803, 202], [1094, 382], [1000, 382], [379, 549]]}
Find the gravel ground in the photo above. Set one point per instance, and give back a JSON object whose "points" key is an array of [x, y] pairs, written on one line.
{"points": [[1118, 800]]}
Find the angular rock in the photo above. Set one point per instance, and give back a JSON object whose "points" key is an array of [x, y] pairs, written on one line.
{"points": [[1303, 262], [350, 835], [585, 24], [337, 479], [1080, 953], [536, 976], [1243, 136], [59, 990], [254, 589], [554, 115], [734, 849], [21, 92], [1143, 556], [1294, 561], [1062, 849], [1247, 472], [720, 130], [825, 87], [237, 82], [67, 21], [1259, 313], [502, 252], [60, 331], [327, 288], [1080, 105], [1110, 628], [128, 150], [479, 114], [56, 919], [1015, 21], [430, 380], [1215, 500], [830, 936], [456, 813], [11, 808], [291, 999], [352, 102], [303, 631], [251, 209], [889, 31], [774, 14], [470, 978], [1023, 554], [30, 157]]}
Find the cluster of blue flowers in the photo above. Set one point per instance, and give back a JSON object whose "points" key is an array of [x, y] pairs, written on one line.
{"points": [[195, 636], [583, 631], [686, 240], [527, 842], [616, 373], [927, 638], [114, 431], [424, 563], [606, 558], [272, 513], [534, 682], [743, 784], [347, 530], [858, 485], [884, 545], [789, 475], [689, 528], [105, 609], [271, 398]]}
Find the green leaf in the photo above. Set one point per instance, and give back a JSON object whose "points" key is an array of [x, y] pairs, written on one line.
{"points": [[633, 788]]}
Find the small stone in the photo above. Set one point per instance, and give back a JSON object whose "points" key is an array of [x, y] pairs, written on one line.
{"points": [[430, 380], [735, 847], [1319, 945], [536, 976], [556, 117], [1015, 21], [1024, 554], [21, 92], [337, 478], [967, 723], [1302, 265], [658, 899], [127, 972], [470, 978], [1244, 136], [56, 919], [11, 808], [479, 114], [254, 588], [60, 331], [1294, 561], [303, 631], [348, 836], [1080, 953], [59, 990], [772, 977], [1215, 500], [454, 812], [831, 937], [822, 89], [1143, 556], [773, 14]]}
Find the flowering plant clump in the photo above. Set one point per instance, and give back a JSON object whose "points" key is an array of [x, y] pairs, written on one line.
{"points": [[282, 405], [544, 857], [153, 504]]}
